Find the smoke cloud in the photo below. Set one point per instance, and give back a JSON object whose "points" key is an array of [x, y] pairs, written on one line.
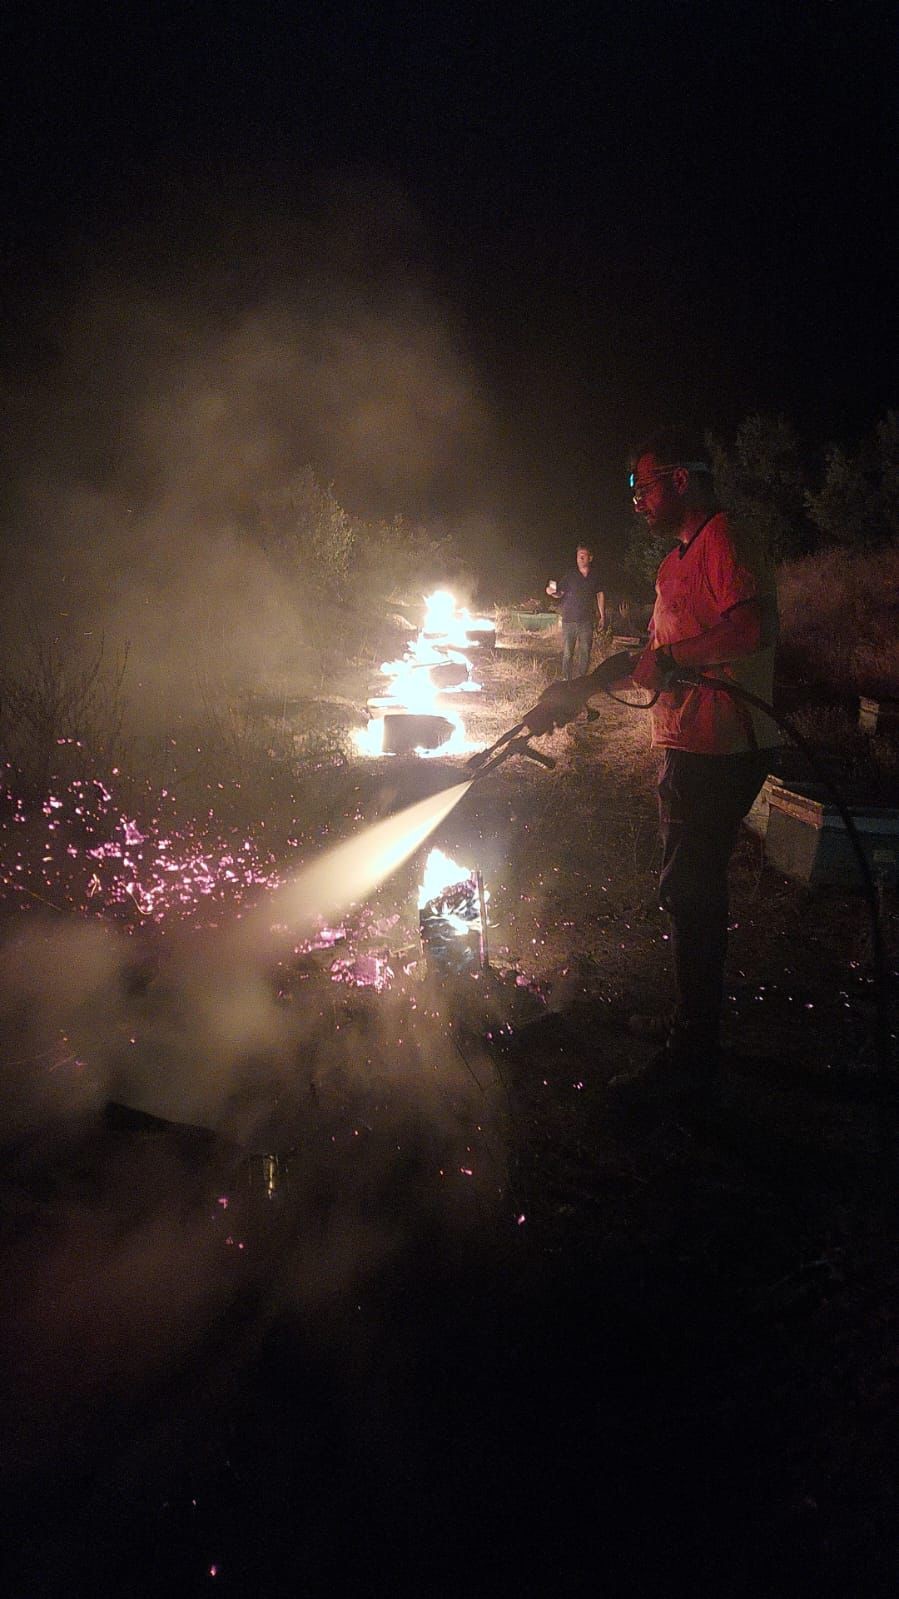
{"points": [[382, 1130], [153, 406], [187, 375]]}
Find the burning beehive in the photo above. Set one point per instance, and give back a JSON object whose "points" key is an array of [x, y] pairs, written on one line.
{"points": [[451, 626], [452, 916], [410, 713], [408, 731]]}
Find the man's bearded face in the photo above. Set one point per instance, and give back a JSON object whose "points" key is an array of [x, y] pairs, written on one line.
{"points": [[655, 496]]}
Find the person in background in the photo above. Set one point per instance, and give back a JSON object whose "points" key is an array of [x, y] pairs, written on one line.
{"points": [[715, 614], [583, 605]]}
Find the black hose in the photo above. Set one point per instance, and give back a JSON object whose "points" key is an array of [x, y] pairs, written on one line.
{"points": [[515, 742], [882, 1037]]}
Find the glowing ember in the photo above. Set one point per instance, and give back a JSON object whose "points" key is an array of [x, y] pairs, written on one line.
{"points": [[363, 971], [80, 852]]}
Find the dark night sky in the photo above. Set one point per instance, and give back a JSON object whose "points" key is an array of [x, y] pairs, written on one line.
{"points": [[625, 213]]}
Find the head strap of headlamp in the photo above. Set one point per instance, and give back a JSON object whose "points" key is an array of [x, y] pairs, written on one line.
{"points": [[688, 466]]}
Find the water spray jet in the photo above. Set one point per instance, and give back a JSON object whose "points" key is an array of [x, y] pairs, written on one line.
{"points": [[347, 873]]}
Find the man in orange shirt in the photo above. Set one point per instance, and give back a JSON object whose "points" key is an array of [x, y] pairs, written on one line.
{"points": [[714, 613]]}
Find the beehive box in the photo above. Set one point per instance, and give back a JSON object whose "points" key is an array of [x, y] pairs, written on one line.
{"points": [[806, 839], [532, 621], [757, 819], [879, 716]]}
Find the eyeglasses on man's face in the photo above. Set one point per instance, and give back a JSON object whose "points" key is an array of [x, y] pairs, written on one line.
{"points": [[639, 489]]}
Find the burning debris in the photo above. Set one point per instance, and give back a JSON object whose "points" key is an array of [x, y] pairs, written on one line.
{"points": [[410, 713], [412, 732], [452, 917], [361, 951], [368, 953], [448, 626]]}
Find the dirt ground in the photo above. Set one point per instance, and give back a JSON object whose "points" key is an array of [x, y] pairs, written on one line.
{"points": [[476, 1328]]}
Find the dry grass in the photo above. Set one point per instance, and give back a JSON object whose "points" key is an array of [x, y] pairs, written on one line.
{"points": [[869, 762], [840, 621], [513, 678]]}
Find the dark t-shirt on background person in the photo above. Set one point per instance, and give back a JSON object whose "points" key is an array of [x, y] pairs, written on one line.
{"points": [[578, 595]]}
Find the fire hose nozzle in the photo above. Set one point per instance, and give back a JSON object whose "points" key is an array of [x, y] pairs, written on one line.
{"points": [[495, 752], [515, 742], [559, 704]]}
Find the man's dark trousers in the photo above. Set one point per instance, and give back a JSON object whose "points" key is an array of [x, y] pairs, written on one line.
{"points": [[702, 800], [577, 642]]}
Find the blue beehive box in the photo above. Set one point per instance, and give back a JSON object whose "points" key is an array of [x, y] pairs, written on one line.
{"points": [[806, 839]]}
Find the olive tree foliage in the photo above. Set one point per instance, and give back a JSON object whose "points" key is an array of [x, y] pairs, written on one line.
{"points": [[857, 504], [398, 559], [761, 482], [307, 533], [644, 553], [311, 538]]}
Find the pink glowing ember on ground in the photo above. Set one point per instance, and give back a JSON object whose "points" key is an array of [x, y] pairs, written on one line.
{"points": [[78, 852], [363, 971]]}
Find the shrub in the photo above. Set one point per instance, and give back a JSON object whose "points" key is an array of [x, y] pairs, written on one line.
{"points": [[310, 537], [399, 559], [306, 531], [761, 482], [858, 502], [61, 711]]}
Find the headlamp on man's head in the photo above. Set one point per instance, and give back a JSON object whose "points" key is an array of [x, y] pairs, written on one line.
{"points": [[664, 471]]}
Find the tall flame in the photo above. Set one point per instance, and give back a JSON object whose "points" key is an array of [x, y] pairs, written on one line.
{"points": [[412, 687], [441, 872]]}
